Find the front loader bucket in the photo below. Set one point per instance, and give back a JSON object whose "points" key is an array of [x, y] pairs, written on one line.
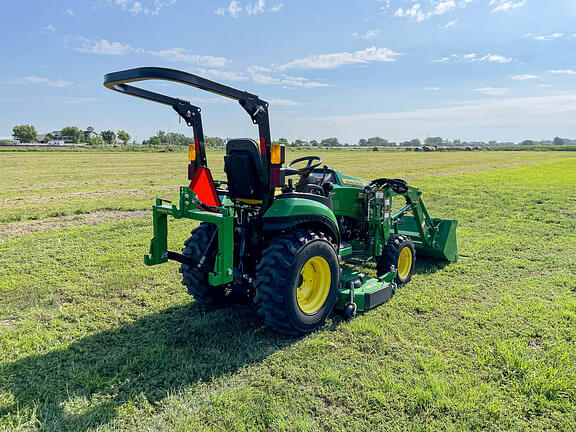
{"points": [[444, 245]]}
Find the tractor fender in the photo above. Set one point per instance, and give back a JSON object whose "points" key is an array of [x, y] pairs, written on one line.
{"points": [[287, 213]]}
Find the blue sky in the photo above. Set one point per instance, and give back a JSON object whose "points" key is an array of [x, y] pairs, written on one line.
{"points": [[460, 69]]}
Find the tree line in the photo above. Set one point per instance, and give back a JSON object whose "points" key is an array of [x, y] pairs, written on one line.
{"points": [[27, 134], [73, 134]]}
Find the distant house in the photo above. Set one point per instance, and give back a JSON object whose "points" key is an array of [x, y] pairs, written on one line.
{"points": [[89, 133], [43, 138], [56, 137]]}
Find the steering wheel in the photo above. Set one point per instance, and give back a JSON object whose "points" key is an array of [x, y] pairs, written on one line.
{"points": [[310, 165]]}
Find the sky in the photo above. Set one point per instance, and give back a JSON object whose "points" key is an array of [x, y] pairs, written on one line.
{"points": [[461, 69]]}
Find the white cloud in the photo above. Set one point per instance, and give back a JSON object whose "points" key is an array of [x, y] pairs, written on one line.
{"points": [[104, 47], [148, 7], [233, 9], [523, 77], [256, 69], [49, 28], [493, 91], [334, 60], [449, 24], [33, 80], [506, 5], [277, 7], [563, 72], [252, 7], [473, 58], [416, 12], [285, 80], [136, 8], [495, 58], [370, 34], [222, 75], [549, 37], [70, 12], [432, 88], [75, 100], [284, 102], [256, 8], [443, 7], [181, 55]]}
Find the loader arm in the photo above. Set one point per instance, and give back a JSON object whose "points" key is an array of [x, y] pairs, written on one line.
{"points": [[433, 237]]}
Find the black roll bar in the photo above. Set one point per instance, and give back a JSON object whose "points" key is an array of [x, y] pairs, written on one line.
{"points": [[256, 108]]}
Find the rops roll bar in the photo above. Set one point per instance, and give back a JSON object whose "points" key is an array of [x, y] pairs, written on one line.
{"points": [[256, 108]]}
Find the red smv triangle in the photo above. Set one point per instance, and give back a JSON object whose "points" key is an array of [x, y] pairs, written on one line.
{"points": [[203, 186]]}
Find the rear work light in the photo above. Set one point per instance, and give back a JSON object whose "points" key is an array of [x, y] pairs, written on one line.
{"points": [[277, 154]]}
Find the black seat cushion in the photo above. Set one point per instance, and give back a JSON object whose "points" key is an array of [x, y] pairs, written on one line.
{"points": [[243, 168]]}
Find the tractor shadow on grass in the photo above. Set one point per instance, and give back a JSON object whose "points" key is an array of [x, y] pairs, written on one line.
{"points": [[83, 385], [425, 265]]}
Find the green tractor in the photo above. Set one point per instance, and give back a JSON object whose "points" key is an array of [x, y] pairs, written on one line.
{"points": [[286, 237]]}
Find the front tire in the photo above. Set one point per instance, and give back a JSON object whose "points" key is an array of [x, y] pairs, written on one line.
{"points": [[297, 282], [401, 254]]}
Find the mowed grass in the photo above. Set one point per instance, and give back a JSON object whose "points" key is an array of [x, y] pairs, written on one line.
{"points": [[91, 339]]}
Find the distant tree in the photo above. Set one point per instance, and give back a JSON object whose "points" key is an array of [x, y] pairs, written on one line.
{"points": [[24, 133], [95, 141], [214, 141], [434, 141], [154, 141], [123, 136], [170, 138], [299, 143], [527, 143], [73, 134], [558, 141], [415, 142], [373, 142], [314, 143], [108, 136], [330, 142]]}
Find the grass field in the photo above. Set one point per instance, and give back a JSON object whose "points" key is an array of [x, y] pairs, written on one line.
{"points": [[91, 339]]}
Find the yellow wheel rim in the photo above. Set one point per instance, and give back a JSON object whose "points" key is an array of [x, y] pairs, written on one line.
{"points": [[313, 285], [404, 262]]}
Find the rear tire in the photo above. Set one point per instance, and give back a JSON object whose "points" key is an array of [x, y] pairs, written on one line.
{"points": [[196, 279], [297, 282], [401, 254]]}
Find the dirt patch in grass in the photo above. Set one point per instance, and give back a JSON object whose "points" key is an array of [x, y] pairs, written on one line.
{"points": [[94, 218]]}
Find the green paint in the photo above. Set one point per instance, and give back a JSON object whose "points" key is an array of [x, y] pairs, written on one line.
{"points": [[223, 266]]}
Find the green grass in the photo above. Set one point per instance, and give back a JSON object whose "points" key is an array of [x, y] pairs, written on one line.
{"points": [[91, 339]]}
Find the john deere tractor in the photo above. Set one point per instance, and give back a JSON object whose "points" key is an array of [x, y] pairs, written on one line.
{"points": [[289, 238]]}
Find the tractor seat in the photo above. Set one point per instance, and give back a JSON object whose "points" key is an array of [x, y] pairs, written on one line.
{"points": [[243, 168]]}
